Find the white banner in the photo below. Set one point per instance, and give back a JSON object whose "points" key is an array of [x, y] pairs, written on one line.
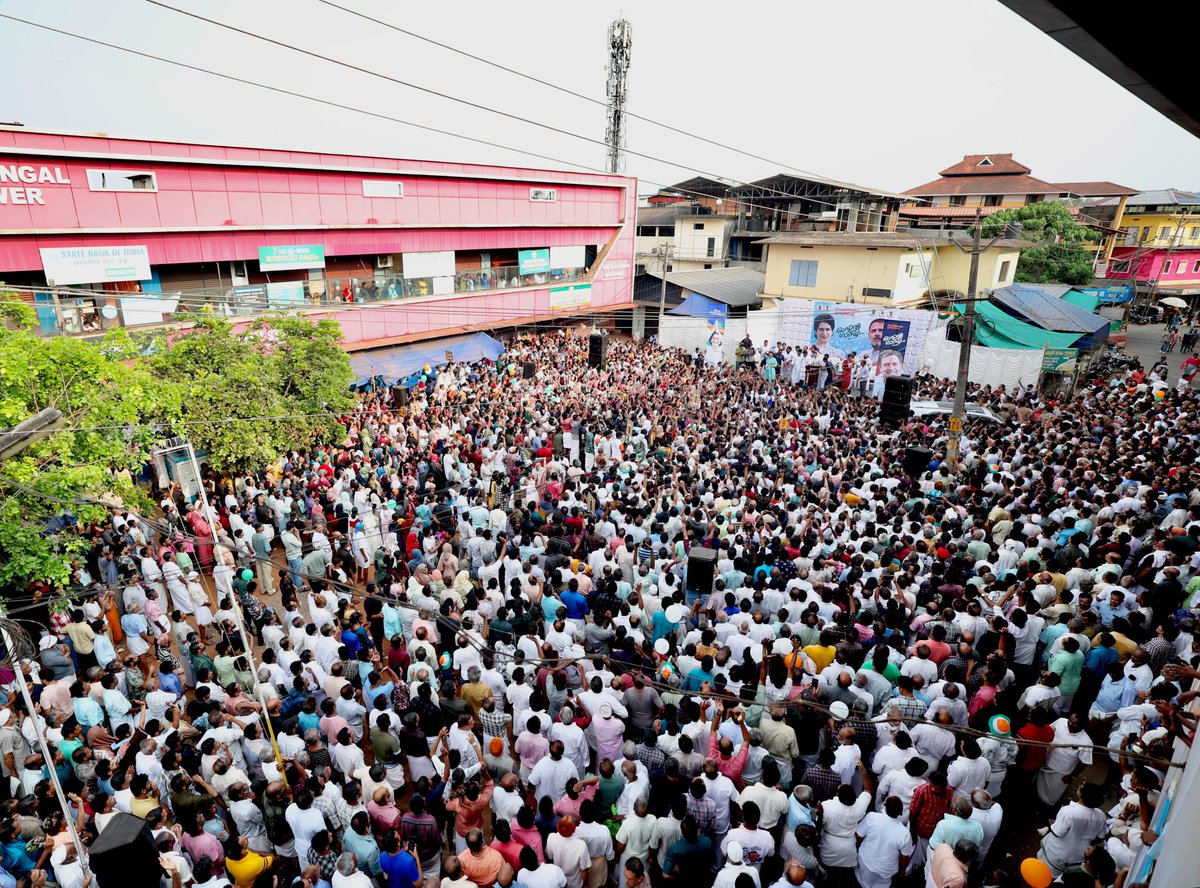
{"points": [[429, 265], [567, 257], [94, 265], [859, 328]]}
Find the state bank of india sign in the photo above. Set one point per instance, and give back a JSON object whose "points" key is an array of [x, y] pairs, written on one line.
{"points": [[20, 183]]}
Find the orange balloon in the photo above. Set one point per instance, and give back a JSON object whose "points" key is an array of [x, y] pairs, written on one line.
{"points": [[1036, 873]]}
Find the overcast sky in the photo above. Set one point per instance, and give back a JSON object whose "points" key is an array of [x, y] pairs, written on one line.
{"points": [[870, 91]]}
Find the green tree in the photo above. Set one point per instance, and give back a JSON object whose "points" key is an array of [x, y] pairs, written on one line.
{"points": [[1065, 250], [250, 396], [107, 399]]}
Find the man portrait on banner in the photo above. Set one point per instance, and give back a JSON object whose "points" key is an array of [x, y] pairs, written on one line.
{"points": [[891, 363], [875, 335]]}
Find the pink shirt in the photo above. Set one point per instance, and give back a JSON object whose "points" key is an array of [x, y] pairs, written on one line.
{"points": [[610, 738], [733, 766]]}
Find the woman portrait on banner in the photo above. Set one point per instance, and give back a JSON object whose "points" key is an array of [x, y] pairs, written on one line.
{"points": [[823, 327], [714, 350]]}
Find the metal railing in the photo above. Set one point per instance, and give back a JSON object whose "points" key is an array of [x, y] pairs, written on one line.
{"points": [[75, 311]]}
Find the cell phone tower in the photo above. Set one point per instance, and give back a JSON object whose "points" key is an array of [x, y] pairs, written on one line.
{"points": [[620, 46]]}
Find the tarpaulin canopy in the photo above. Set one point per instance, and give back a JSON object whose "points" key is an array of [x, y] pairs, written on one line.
{"points": [[997, 328], [1043, 306], [1080, 299], [390, 365], [695, 306]]}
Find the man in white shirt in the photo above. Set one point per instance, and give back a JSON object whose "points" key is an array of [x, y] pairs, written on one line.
{"points": [[553, 773], [1075, 827], [885, 845]]}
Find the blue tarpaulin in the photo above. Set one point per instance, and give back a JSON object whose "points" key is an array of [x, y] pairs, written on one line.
{"points": [[390, 365], [695, 306]]}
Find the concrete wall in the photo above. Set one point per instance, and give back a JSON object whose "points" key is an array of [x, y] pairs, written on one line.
{"points": [[842, 272]]}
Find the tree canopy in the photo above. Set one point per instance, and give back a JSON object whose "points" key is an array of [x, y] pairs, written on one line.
{"points": [[245, 397], [1064, 257]]}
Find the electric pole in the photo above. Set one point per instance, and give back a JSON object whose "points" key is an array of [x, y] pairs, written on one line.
{"points": [[620, 45], [662, 293], [953, 442]]}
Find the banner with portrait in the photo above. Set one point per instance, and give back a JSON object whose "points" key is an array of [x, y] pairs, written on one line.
{"points": [[892, 337], [713, 349]]}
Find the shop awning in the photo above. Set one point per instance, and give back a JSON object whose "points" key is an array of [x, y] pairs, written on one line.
{"points": [[996, 328], [390, 365]]}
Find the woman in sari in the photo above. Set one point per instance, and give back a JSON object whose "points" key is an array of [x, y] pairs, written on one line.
{"points": [[204, 532]]}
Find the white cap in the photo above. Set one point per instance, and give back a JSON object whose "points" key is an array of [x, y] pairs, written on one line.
{"points": [[839, 710]]}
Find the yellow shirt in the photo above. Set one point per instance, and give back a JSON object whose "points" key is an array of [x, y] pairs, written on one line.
{"points": [[821, 656], [245, 871]]}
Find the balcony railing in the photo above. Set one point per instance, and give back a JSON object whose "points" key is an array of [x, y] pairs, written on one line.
{"points": [[79, 312]]}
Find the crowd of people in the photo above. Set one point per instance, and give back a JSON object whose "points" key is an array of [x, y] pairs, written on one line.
{"points": [[655, 624]]}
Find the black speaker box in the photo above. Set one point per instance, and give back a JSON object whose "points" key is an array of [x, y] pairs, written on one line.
{"points": [[124, 855], [898, 386], [916, 460], [702, 566], [598, 350], [528, 369], [400, 396]]}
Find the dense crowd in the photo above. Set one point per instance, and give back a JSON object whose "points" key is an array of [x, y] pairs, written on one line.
{"points": [[477, 654]]}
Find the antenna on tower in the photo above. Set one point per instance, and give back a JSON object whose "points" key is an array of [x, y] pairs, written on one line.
{"points": [[620, 45]]}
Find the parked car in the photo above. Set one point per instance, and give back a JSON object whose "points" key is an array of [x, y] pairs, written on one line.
{"points": [[945, 408]]}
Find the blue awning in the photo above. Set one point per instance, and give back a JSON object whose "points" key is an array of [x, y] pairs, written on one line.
{"points": [[695, 306], [390, 365]]}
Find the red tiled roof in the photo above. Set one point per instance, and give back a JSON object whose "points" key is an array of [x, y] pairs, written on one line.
{"points": [[960, 212], [1000, 165], [950, 212], [984, 185], [1096, 189]]}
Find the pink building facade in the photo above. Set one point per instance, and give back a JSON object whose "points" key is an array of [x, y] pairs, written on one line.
{"points": [[101, 232]]}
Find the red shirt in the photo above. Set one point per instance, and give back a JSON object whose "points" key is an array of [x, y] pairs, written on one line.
{"points": [[1031, 758], [927, 808]]}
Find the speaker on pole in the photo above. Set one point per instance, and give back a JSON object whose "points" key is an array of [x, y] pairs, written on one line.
{"points": [[598, 350], [916, 460], [701, 568], [124, 855]]}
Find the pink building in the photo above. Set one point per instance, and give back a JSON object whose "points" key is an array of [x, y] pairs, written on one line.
{"points": [[103, 232]]}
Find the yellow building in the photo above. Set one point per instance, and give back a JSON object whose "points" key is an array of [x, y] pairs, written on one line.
{"points": [[878, 268]]}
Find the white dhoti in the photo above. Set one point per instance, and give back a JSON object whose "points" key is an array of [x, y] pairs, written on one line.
{"points": [[1050, 786], [181, 598]]}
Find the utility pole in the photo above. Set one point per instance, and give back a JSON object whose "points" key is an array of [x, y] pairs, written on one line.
{"points": [[953, 443], [662, 293], [620, 45], [20, 436]]}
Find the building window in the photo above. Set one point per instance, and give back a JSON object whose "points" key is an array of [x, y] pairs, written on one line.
{"points": [[1033, 198], [992, 200], [383, 188], [1165, 232], [1119, 266], [646, 231], [121, 180], [543, 195], [804, 273], [639, 269], [1166, 266], [666, 231], [707, 265], [958, 200], [1005, 267], [1196, 267], [711, 248], [698, 226]]}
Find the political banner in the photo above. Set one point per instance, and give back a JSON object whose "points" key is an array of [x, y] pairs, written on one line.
{"points": [[713, 350], [892, 337]]}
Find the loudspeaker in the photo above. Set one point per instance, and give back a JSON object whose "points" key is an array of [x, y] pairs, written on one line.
{"points": [[916, 460], [598, 350], [702, 565], [400, 396], [898, 387], [124, 855], [897, 395], [528, 370]]}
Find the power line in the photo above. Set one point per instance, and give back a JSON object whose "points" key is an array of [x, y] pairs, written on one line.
{"points": [[562, 89], [741, 202], [458, 99]]}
